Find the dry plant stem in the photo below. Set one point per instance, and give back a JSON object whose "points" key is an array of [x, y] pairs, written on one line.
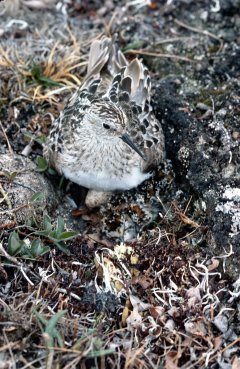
{"points": [[226, 348], [5, 196], [184, 218], [26, 364], [215, 354], [70, 351], [73, 38], [202, 31], [73, 363], [173, 39], [15, 209], [9, 345], [28, 148], [50, 359], [10, 350], [17, 264], [109, 25], [8, 225], [159, 55], [132, 355], [188, 205], [6, 137], [30, 365], [59, 71], [188, 234], [8, 62]]}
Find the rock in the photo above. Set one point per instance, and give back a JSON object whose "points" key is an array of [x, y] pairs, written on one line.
{"points": [[221, 322], [205, 157], [19, 182]]}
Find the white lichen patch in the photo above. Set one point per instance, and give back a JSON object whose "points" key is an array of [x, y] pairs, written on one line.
{"points": [[232, 194], [232, 207]]}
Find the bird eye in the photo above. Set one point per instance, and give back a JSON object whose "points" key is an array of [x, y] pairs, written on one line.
{"points": [[106, 126]]}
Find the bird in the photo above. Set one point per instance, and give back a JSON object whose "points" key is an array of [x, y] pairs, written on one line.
{"points": [[107, 138]]}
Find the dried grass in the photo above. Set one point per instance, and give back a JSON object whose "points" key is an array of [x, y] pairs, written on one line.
{"points": [[57, 68]]}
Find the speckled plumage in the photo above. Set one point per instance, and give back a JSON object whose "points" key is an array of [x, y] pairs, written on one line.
{"points": [[107, 137]]}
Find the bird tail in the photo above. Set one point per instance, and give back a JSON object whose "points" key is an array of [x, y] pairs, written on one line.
{"points": [[106, 59], [105, 56]]}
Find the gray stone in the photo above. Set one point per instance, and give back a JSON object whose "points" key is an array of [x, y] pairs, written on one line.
{"points": [[19, 181]]}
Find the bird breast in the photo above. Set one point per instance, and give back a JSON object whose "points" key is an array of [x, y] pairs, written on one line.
{"points": [[105, 166]]}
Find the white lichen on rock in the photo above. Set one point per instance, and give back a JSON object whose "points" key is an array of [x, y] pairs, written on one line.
{"points": [[231, 206]]}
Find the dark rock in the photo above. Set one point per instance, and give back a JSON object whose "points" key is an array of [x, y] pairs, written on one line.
{"points": [[205, 160]]}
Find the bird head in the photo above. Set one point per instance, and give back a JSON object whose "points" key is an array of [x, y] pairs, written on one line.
{"points": [[110, 123]]}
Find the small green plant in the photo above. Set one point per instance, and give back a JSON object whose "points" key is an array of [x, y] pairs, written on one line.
{"points": [[51, 334], [10, 175], [26, 248], [57, 235], [134, 45], [97, 349], [96, 345], [42, 164], [32, 249], [14, 244], [40, 78], [38, 197], [40, 139]]}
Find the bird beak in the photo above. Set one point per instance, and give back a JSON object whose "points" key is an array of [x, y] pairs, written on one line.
{"points": [[129, 142]]}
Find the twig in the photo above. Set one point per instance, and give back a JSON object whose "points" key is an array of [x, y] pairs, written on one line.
{"points": [[67, 350], [215, 355], [5, 195], [10, 349], [159, 55], [10, 64], [186, 209], [185, 219], [25, 276], [9, 257], [109, 24], [172, 39], [28, 148], [8, 225], [73, 363], [27, 365], [49, 362], [9, 345], [17, 264], [15, 209], [201, 31], [6, 137]]}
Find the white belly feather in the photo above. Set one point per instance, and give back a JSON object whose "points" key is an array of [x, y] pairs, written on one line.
{"points": [[102, 181]]}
